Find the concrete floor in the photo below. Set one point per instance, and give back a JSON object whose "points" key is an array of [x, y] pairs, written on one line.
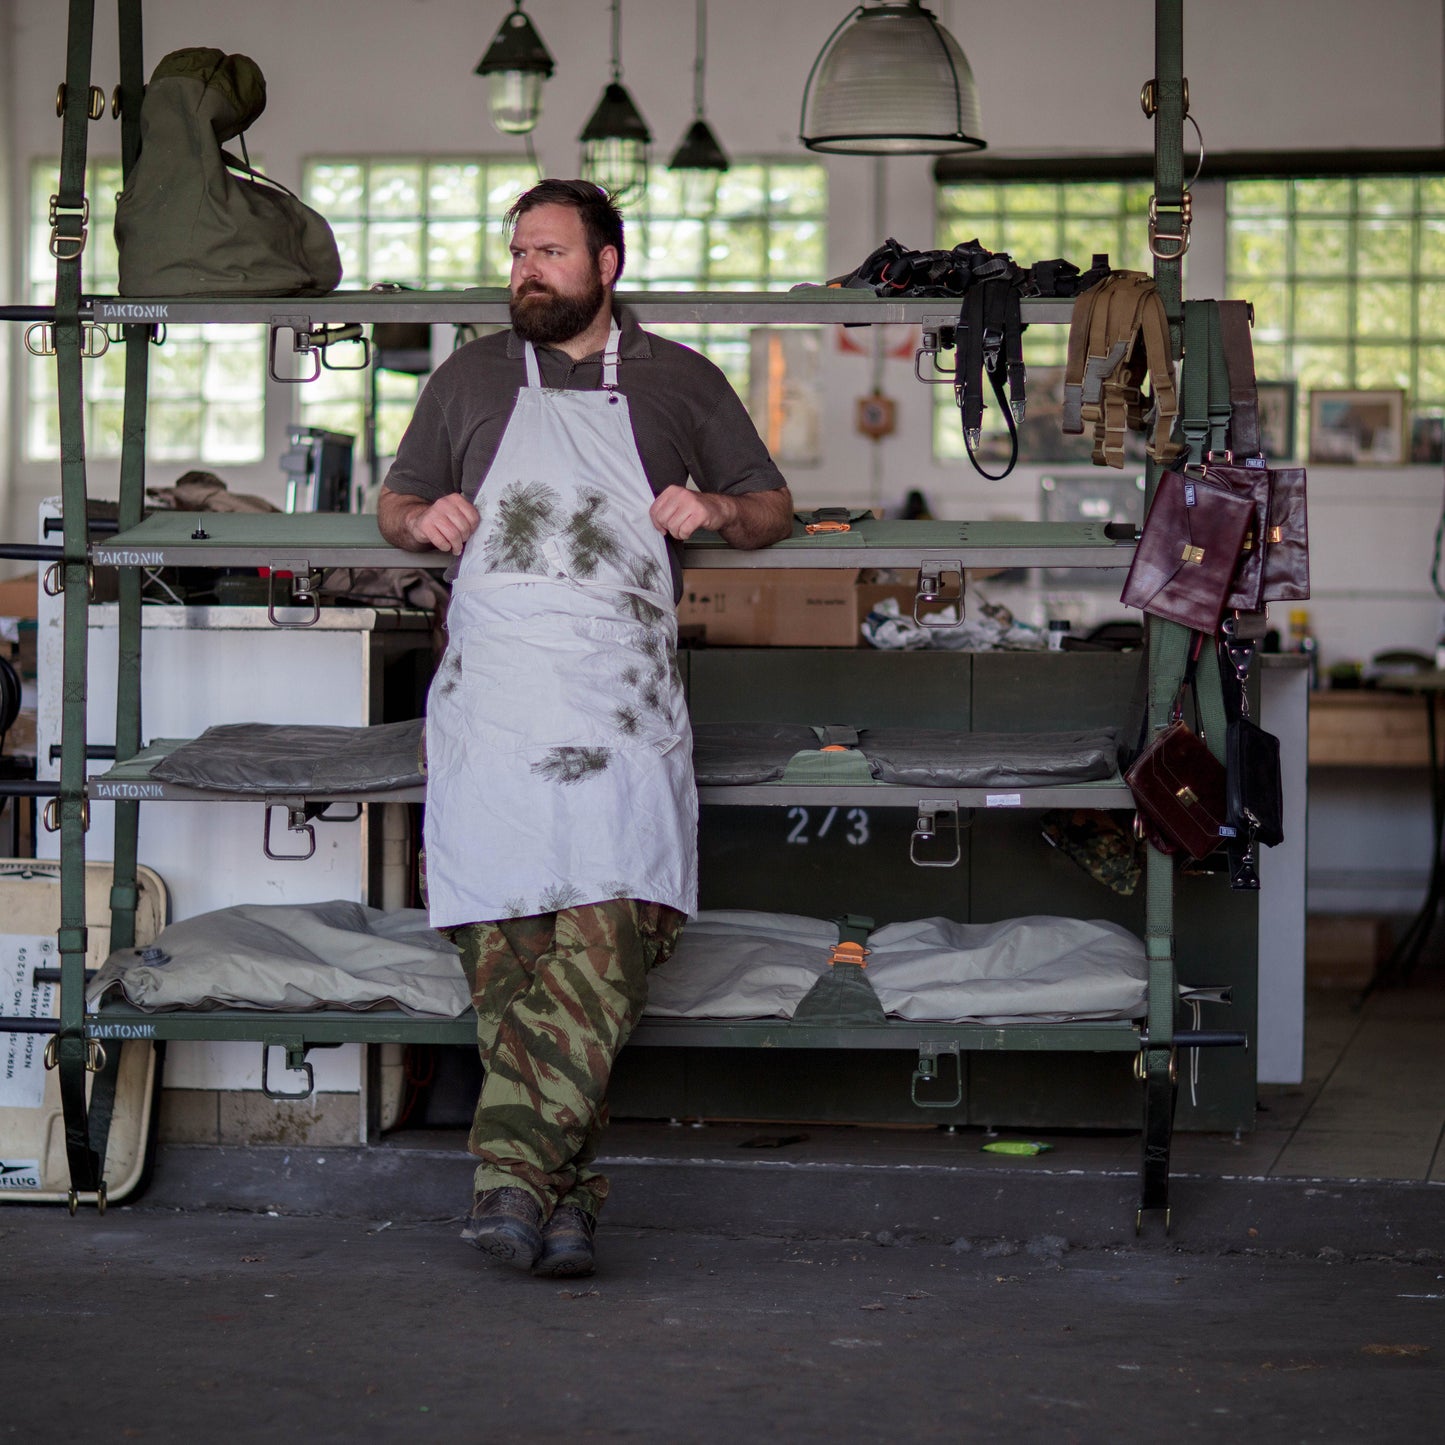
{"points": [[789, 1284]]}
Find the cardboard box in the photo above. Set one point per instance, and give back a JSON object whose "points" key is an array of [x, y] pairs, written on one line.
{"points": [[20, 597], [1344, 950], [782, 606]]}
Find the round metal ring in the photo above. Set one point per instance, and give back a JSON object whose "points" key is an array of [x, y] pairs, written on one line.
{"points": [[60, 111], [115, 103], [50, 816], [73, 1201], [96, 107], [95, 1056], [49, 1056], [54, 580], [100, 1198]]}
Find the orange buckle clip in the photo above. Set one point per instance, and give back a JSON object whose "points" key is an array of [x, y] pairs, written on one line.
{"points": [[813, 528], [835, 748], [849, 953]]}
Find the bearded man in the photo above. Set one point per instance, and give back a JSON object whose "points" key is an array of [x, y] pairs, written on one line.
{"points": [[561, 819]]}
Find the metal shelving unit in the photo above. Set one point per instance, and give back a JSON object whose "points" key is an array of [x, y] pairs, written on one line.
{"points": [[304, 545]]}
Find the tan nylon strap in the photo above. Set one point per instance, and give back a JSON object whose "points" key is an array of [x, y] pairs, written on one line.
{"points": [[1155, 327], [1079, 325]]}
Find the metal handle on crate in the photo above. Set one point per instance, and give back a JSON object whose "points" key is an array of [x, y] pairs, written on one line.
{"points": [[303, 594], [933, 815], [296, 822], [930, 589]]}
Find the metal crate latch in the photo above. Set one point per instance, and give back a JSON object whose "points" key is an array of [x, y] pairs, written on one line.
{"points": [[927, 1072], [930, 589], [303, 584], [935, 815], [295, 1063]]}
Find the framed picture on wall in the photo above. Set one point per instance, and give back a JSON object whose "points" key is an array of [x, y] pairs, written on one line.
{"points": [[1427, 439], [1357, 428], [1276, 419]]}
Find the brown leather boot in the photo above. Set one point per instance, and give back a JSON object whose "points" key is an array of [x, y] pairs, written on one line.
{"points": [[504, 1224], [566, 1244]]}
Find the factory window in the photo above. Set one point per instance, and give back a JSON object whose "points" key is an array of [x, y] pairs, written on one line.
{"points": [[426, 223], [1037, 221], [1347, 277], [767, 231], [206, 382], [430, 222]]}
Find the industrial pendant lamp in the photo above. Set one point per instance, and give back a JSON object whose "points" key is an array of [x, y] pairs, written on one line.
{"points": [[895, 82], [699, 160], [615, 139], [516, 64]]}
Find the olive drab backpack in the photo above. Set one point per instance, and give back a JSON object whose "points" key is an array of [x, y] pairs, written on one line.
{"points": [[194, 219]]}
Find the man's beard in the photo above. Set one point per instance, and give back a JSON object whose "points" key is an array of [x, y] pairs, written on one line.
{"points": [[548, 318]]}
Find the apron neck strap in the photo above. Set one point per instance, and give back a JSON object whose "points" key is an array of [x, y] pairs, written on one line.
{"points": [[609, 357], [609, 360]]}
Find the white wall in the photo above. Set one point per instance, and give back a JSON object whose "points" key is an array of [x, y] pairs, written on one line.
{"points": [[395, 75]]}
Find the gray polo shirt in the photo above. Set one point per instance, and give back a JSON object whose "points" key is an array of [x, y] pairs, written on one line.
{"points": [[686, 418]]}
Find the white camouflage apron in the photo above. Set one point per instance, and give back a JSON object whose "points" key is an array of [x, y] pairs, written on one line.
{"points": [[558, 741]]}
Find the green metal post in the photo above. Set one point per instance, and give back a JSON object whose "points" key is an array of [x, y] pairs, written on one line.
{"points": [[123, 895], [1168, 642], [68, 237]]}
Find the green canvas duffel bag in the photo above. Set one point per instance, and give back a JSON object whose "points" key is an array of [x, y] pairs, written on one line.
{"points": [[195, 220]]}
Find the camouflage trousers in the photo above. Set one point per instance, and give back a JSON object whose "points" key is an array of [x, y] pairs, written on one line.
{"points": [[557, 995]]}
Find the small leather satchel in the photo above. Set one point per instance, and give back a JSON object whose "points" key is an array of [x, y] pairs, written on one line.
{"points": [[1184, 563], [1179, 790], [1275, 564]]}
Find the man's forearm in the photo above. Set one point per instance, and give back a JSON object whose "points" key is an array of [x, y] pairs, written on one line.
{"points": [[394, 515], [759, 518]]}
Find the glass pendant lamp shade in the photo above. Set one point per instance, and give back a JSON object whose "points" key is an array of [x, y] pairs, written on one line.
{"points": [[615, 138], [699, 161], [894, 82], [516, 65], [614, 145]]}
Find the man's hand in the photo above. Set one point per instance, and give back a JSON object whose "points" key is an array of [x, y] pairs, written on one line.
{"points": [[746, 520], [416, 525]]}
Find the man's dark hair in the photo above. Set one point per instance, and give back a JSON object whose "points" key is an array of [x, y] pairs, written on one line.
{"points": [[601, 219]]}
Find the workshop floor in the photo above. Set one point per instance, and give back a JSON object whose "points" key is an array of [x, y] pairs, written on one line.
{"points": [[779, 1283]]}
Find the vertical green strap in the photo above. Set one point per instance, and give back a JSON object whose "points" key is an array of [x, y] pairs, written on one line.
{"points": [[1194, 384], [1219, 407], [68, 245], [132, 82], [1169, 154], [124, 895]]}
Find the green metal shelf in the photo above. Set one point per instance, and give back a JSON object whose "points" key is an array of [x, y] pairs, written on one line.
{"points": [[300, 542], [131, 782], [323, 1026], [811, 306]]}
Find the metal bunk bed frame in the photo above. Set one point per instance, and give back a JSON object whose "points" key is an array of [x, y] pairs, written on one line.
{"points": [[306, 544]]}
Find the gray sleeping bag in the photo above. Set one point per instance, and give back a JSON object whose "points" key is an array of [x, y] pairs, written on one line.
{"points": [[293, 957], [736, 964], [266, 758]]}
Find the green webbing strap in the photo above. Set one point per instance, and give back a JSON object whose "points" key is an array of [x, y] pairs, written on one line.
{"points": [[132, 82], [1169, 158], [1220, 407], [854, 928], [68, 238], [1194, 388]]}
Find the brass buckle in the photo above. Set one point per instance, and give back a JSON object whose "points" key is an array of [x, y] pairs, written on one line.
{"points": [[1192, 554], [95, 1056], [1187, 796]]}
